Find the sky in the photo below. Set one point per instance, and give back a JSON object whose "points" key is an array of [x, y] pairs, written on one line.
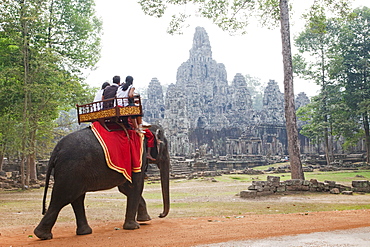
{"points": [[138, 45]]}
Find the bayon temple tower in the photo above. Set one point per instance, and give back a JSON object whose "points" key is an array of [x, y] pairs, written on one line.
{"points": [[201, 111]]}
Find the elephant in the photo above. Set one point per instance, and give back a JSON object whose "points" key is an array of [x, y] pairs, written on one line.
{"points": [[79, 166]]}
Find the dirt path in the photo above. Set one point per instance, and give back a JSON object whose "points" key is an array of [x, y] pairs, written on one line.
{"points": [[190, 231]]}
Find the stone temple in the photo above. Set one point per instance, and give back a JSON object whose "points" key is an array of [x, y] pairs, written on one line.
{"points": [[203, 113]]}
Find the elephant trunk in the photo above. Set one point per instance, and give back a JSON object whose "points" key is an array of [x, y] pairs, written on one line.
{"points": [[165, 184]]}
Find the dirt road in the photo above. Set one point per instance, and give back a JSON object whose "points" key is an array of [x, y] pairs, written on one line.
{"points": [[190, 231]]}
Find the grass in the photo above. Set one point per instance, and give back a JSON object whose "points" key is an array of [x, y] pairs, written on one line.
{"points": [[192, 198], [276, 165], [345, 177]]}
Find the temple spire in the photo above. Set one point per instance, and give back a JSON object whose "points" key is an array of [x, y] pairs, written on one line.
{"points": [[201, 45]]}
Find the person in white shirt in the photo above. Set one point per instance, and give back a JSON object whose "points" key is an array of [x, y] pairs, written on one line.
{"points": [[99, 96], [126, 91]]}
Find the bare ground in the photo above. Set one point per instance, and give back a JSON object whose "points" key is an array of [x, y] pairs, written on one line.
{"points": [[191, 231], [179, 229]]}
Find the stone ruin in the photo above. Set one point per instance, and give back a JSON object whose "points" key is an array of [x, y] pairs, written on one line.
{"points": [[10, 176], [202, 111], [273, 185]]}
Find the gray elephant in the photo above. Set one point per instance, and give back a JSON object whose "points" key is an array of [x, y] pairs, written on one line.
{"points": [[79, 167]]}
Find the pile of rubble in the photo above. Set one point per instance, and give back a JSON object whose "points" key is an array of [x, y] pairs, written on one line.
{"points": [[12, 181], [9, 180], [273, 185]]}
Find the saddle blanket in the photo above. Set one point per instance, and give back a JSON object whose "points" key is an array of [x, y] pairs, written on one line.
{"points": [[122, 154]]}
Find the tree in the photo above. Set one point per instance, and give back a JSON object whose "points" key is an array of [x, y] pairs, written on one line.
{"points": [[46, 43], [235, 15], [352, 70], [323, 120], [316, 42]]}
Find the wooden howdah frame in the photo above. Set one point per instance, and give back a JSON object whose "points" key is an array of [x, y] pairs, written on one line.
{"points": [[108, 109]]}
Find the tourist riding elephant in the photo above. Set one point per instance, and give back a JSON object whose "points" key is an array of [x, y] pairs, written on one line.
{"points": [[80, 166]]}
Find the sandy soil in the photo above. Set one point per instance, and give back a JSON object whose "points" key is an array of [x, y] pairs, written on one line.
{"points": [[190, 231]]}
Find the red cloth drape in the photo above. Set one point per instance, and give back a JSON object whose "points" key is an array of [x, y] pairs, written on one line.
{"points": [[122, 154]]}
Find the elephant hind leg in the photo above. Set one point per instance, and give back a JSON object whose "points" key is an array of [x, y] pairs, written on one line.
{"points": [[142, 212], [43, 230], [78, 206]]}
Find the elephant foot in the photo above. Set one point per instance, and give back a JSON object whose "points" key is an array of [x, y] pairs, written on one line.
{"points": [[144, 217], [84, 230], [131, 225], [43, 235]]}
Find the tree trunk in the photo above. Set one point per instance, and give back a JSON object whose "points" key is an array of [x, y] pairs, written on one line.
{"points": [[27, 94], [23, 185], [367, 137], [326, 142], [27, 175], [1, 161], [290, 116], [32, 173], [32, 165]]}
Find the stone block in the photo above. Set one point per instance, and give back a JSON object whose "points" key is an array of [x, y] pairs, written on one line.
{"points": [[264, 193], [306, 183], [330, 183], [259, 183], [320, 189], [314, 182], [293, 182], [360, 183], [274, 180], [248, 194], [267, 188], [297, 188], [281, 188], [251, 187], [343, 187], [347, 192], [334, 191], [259, 188], [361, 189]]}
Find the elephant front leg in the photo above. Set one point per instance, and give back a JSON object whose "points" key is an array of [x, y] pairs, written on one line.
{"points": [[83, 227], [133, 192]]}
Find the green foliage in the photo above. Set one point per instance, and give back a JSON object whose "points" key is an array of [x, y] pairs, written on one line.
{"points": [[339, 56], [231, 16], [44, 45], [352, 70], [234, 16]]}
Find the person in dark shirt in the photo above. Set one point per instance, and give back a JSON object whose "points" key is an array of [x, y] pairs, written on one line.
{"points": [[110, 92]]}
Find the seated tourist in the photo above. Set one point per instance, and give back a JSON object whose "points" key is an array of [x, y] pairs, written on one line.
{"points": [[126, 91], [99, 96], [110, 92]]}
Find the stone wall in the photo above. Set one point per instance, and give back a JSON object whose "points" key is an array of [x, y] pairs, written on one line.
{"points": [[274, 185]]}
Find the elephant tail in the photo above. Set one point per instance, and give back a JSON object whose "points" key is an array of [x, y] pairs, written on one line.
{"points": [[47, 179]]}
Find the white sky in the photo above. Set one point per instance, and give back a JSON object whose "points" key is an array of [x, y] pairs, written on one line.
{"points": [[138, 45]]}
